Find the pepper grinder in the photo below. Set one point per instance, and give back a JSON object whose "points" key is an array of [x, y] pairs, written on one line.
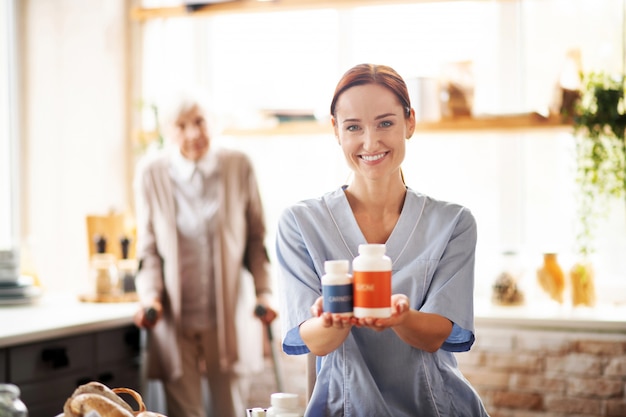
{"points": [[127, 267]]}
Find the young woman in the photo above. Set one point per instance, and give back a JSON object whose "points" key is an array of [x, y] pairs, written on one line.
{"points": [[402, 365]]}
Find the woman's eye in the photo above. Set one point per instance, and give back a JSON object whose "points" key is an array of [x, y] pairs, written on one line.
{"points": [[352, 128], [386, 123]]}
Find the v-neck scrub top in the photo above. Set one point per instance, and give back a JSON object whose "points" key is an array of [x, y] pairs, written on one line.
{"points": [[432, 249]]}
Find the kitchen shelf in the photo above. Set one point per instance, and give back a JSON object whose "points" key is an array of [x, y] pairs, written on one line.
{"points": [[518, 122], [256, 6]]}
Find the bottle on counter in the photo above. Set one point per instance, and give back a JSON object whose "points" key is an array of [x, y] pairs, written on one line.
{"points": [[257, 412], [371, 272], [10, 403], [551, 277], [105, 275], [337, 288], [284, 404], [506, 290]]}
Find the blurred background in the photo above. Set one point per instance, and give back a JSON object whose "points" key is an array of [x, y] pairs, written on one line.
{"points": [[81, 81]]}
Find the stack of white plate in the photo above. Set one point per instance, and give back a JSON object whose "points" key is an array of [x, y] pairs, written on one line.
{"points": [[9, 266], [22, 291], [15, 289]]}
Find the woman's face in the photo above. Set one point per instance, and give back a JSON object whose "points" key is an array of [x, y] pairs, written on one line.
{"points": [[371, 127], [191, 134]]}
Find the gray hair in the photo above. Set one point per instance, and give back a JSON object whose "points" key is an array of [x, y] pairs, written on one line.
{"points": [[173, 105]]}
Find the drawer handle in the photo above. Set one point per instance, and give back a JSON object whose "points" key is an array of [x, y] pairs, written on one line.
{"points": [[57, 357]]}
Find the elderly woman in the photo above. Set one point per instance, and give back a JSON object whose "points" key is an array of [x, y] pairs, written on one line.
{"points": [[200, 244]]}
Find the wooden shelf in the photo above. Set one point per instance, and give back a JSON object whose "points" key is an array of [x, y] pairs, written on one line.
{"points": [[525, 121], [530, 121], [521, 122], [256, 6]]}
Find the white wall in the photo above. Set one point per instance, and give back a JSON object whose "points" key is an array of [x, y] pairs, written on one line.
{"points": [[74, 142], [9, 235]]}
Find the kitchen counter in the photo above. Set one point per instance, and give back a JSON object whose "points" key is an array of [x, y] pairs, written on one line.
{"points": [[505, 335], [601, 318], [59, 315]]}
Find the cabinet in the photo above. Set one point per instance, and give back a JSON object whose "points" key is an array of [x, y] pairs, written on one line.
{"points": [[3, 365], [47, 372]]}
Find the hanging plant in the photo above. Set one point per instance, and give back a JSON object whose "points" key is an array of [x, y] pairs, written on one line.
{"points": [[599, 125]]}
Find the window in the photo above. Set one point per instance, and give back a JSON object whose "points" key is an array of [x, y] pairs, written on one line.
{"points": [[518, 184]]}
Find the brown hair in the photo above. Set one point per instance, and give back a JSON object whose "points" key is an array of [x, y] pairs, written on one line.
{"points": [[373, 74]]}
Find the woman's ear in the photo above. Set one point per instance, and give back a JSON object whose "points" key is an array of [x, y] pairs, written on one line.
{"points": [[410, 124], [335, 127]]}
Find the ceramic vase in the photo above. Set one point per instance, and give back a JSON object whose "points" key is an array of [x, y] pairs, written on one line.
{"points": [[551, 277], [582, 279]]}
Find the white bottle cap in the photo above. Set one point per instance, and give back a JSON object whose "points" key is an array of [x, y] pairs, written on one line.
{"points": [[372, 248], [284, 401], [336, 267], [257, 412]]}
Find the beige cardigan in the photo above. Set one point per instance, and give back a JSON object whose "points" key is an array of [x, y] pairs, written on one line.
{"points": [[240, 252]]}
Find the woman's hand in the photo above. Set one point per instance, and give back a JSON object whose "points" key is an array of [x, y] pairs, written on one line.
{"points": [[324, 331], [264, 310], [147, 317], [400, 307], [338, 321], [265, 314]]}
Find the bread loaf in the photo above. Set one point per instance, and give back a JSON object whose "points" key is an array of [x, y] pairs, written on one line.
{"points": [[95, 399], [83, 404], [101, 389]]}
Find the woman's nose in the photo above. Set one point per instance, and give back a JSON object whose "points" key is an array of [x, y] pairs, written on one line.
{"points": [[192, 132], [370, 140]]}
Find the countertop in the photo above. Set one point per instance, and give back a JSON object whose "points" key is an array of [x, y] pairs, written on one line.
{"points": [[59, 315], [551, 316], [62, 315]]}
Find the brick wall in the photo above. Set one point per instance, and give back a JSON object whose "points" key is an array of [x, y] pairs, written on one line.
{"points": [[548, 373]]}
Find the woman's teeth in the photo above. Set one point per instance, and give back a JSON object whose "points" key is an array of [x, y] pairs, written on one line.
{"points": [[371, 158]]}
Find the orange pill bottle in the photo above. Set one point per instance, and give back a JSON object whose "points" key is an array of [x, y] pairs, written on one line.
{"points": [[371, 272]]}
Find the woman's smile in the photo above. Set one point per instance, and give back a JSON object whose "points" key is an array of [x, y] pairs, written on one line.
{"points": [[373, 158]]}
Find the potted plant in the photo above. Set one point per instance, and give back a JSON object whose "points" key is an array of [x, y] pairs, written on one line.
{"points": [[599, 122]]}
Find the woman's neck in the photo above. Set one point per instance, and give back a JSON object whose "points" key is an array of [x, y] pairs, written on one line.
{"points": [[383, 196], [376, 208]]}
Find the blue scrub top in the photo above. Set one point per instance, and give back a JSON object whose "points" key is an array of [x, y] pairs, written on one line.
{"points": [[432, 249]]}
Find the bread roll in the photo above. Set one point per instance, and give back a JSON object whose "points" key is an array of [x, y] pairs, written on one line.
{"points": [[83, 404], [101, 389]]}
